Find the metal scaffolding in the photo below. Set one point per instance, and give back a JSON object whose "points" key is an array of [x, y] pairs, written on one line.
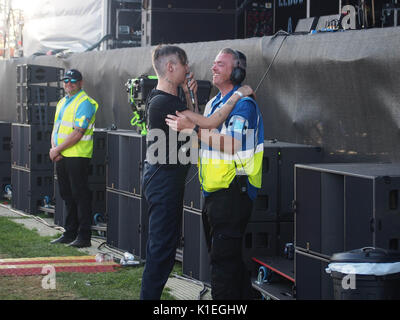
{"points": [[11, 26]]}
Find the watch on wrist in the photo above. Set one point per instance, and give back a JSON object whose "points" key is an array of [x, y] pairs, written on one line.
{"points": [[196, 128]]}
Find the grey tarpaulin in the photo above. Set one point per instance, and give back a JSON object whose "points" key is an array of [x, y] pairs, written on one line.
{"points": [[337, 90]]}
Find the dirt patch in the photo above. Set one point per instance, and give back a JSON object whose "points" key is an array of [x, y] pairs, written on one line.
{"points": [[30, 288]]}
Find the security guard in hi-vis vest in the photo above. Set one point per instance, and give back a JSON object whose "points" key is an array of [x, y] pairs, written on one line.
{"points": [[71, 150], [230, 167]]}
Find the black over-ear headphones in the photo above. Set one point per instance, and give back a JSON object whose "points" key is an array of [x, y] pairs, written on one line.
{"points": [[238, 73]]}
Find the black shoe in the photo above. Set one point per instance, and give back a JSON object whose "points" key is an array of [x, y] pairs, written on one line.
{"points": [[79, 243], [62, 239]]}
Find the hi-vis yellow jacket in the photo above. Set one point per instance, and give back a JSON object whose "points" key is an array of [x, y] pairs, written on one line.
{"points": [[84, 147], [218, 169]]}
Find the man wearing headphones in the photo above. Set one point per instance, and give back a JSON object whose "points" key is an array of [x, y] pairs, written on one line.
{"points": [[230, 165]]}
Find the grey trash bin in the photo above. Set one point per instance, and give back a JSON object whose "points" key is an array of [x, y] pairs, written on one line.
{"points": [[366, 274]]}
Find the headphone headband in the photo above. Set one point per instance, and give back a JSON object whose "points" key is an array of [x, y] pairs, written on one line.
{"points": [[239, 72]]}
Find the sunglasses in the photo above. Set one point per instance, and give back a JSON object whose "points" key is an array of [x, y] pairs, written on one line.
{"points": [[70, 80]]}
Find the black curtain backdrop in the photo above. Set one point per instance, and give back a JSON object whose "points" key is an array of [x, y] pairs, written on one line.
{"points": [[336, 90]]}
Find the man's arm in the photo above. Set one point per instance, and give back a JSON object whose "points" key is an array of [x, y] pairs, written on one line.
{"points": [[53, 144], [221, 142], [69, 141], [52, 139], [211, 137], [214, 121]]}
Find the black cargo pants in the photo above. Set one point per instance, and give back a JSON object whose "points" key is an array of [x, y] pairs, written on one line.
{"points": [[225, 216]]}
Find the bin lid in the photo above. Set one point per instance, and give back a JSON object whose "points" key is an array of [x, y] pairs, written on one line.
{"points": [[367, 255]]}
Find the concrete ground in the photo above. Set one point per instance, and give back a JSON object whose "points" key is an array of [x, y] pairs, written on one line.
{"points": [[180, 287]]}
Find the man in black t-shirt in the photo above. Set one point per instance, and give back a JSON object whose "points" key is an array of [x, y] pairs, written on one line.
{"points": [[163, 177], [160, 103]]}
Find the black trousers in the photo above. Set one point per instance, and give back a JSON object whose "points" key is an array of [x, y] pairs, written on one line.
{"points": [[225, 216], [163, 190], [72, 175]]}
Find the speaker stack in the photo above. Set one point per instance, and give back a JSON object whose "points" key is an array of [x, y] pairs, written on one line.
{"points": [[38, 91], [270, 231], [271, 222], [127, 218], [195, 262], [96, 181], [341, 207], [5, 157], [195, 259], [163, 21]]}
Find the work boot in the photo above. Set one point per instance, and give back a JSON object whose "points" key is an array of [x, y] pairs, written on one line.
{"points": [[62, 239], [80, 243]]}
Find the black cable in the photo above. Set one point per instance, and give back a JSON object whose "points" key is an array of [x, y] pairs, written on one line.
{"points": [[202, 292], [280, 32], [151, 177], [187, 182], [98, 43], [114, 250]]}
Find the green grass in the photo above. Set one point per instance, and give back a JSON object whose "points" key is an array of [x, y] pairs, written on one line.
{"points": [[121, 285], [18, 242]]}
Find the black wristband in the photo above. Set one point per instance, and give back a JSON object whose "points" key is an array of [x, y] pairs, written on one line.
{"points": [[196, 128]]}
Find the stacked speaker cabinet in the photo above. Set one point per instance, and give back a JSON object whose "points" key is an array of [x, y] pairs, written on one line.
{"points": [[97, 173], [341, 207], [193, 197], [5, 156], [271, 222], [270, 233], [195, 262], [96, 181], [38, 91], [163, 21], [31, 168], [127, 220]]}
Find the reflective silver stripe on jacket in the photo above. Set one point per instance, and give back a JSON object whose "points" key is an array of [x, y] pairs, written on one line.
{"points": [[86, 137]]}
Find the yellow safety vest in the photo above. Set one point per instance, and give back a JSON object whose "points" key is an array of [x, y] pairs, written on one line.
{"points": [[218, 169], [84, 147]]}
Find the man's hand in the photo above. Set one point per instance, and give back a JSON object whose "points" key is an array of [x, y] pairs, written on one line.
{"points": [[247, 91], [190, 83], [179, 122], [55, 155], [58, 158]]}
